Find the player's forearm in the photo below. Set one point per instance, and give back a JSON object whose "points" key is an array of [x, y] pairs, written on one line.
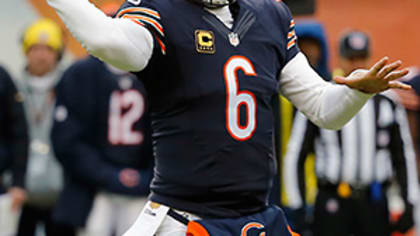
{"points": [[327, 105], [119, 42], [339, 104]]}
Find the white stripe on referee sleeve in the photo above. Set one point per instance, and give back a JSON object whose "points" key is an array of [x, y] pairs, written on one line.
{"points": [[120, 42], [328, 105], [383, 166], [410, 156], [386, 115], [368, 141], [349, 139], [333, 153], [291, 159], [321, 159]]}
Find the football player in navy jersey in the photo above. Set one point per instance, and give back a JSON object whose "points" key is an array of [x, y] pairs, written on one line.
{"points": [[212, 69], [101, 135]]}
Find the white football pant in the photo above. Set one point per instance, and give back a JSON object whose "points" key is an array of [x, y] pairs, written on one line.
{"points": [[154, 221], [112, 213]]}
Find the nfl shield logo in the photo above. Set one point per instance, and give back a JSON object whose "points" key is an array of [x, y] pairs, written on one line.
{"points": [[234, 39]]}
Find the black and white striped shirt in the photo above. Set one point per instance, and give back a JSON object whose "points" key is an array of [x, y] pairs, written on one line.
{"points": [[373, 147]]}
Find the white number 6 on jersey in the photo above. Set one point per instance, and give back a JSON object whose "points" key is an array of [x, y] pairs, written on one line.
{"points": [[236, 98], [135, 2]]}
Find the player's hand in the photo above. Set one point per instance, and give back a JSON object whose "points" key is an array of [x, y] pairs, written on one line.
{"points": [[380, 77], [129, 177], [18, 196]]}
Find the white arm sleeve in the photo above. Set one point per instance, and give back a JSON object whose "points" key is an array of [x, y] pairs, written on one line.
{"points": [[326, 104], [120, 42]]}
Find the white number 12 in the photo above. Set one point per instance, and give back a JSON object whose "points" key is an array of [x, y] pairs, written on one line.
{"points": [[120, 125]]}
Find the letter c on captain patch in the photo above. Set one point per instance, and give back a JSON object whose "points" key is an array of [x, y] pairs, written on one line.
{"points": [[204, 42], [252, 225]]}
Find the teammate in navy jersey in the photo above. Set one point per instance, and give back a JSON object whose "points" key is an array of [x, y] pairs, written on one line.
{"points": [[212, 70], [102, 136]]}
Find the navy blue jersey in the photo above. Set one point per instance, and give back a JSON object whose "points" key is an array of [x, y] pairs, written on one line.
{"points": [[101, 126], [211, 90], [13, 131]]}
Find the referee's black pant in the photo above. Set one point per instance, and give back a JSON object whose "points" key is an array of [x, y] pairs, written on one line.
{"points": [[357, 215]]}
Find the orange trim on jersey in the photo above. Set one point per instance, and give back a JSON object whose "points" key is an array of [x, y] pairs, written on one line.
{"points": [[291, 43], [137, 22], [149, 20], [293, 233], [162, 45], [292, 23], [139, 9], [196, 229], [291, 34]]}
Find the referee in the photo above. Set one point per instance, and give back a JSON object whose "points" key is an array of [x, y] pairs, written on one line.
{"points": [[355, 165]]}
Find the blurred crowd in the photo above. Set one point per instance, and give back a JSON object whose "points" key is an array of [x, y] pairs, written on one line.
{"points": [[75, 149], [76, 153]]}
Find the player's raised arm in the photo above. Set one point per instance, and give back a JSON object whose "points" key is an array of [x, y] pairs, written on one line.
{"points": [[331, 105], [119, 42]]}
